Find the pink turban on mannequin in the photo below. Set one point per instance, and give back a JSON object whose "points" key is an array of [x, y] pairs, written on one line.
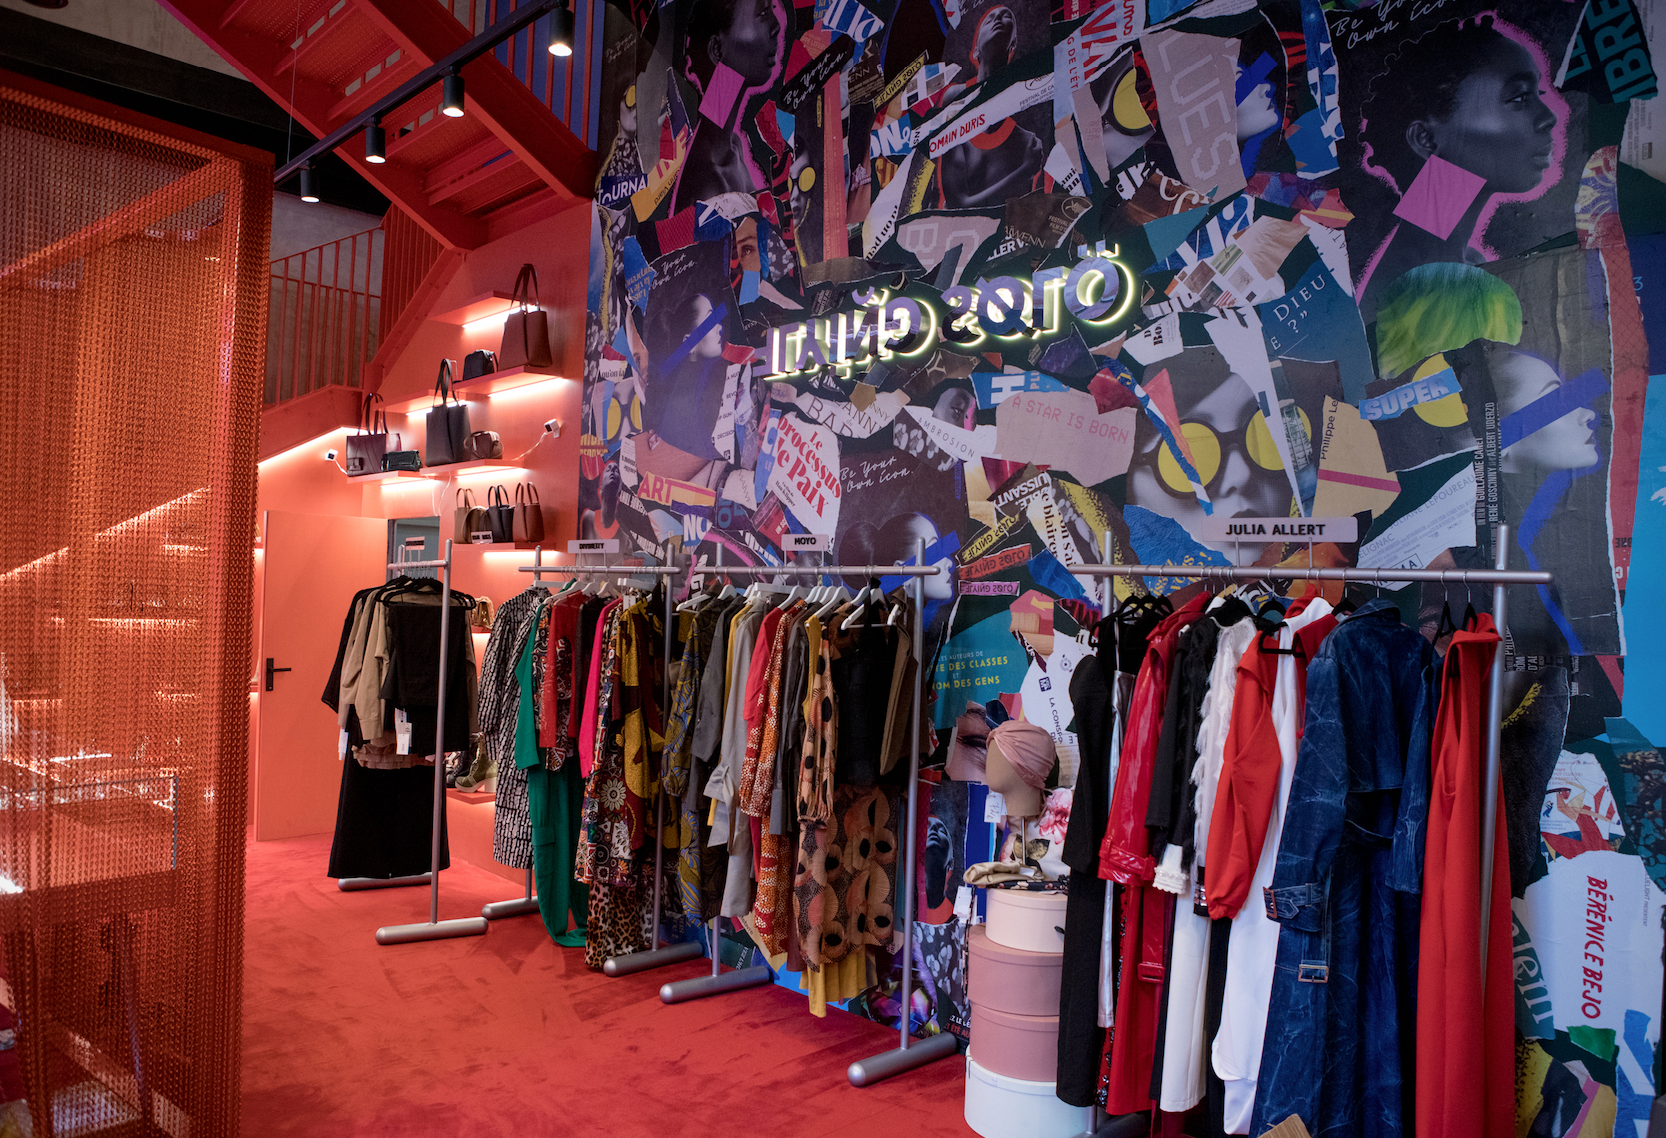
{"points": [[1028, 748]]}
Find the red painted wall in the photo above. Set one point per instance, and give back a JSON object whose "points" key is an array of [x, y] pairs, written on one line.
{"points": [[301, 480]]}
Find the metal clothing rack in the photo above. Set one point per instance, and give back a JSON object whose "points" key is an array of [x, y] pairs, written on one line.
{"points": [[433, 928], [657, 955], [907, 1054], [1498, 578]]}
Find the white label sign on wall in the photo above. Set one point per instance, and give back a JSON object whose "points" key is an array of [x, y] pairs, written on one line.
{"points": [[594, 545], [805, 542], [1278, 529]]}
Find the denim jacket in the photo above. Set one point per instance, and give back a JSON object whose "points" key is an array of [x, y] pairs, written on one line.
{"points": [[1340, 1029]]}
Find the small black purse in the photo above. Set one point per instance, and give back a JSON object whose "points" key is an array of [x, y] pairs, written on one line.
{"points": [[401, 459], [477, 364]]}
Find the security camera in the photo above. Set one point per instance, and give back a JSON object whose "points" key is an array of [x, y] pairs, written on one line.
{"points": [[329, 456], [553, 426]]}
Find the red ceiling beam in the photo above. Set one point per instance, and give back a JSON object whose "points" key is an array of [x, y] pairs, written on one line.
{"points": [[505, 104], [258, 58]]}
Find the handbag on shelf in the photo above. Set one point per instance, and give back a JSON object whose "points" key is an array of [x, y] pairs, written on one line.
{"points": [[479, 523], [477, 364], [470, 518], [502, 512], [400, 459], [448, 422], [529, 513], [526, 333], [366, 447], [483, 444]]}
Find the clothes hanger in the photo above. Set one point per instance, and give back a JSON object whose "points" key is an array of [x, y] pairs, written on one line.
{"points": [[837, 595], [701, 597], [859, 607]]}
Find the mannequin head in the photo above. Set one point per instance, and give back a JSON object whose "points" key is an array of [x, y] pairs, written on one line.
{"points": [[1023, 800], [1021, 757]]}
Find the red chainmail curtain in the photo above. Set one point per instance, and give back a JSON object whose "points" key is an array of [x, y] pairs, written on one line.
{"points": [[133, 297]]}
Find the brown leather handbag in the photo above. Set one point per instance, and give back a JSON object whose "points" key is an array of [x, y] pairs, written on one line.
{"points": [[526, 333], [529, 513]]}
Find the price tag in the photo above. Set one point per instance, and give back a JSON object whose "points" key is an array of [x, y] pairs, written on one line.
{"points": [[963, 903], [994, 807], [341, 745], [402, 732]]}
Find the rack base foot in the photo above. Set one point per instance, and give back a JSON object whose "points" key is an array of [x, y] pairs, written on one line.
{"points": [[354, 884], [519, 907], [867, 1072], [439, 930], [654, 958], [681, 991]]}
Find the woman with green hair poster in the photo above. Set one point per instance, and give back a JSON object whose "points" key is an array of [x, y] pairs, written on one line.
{"points": [[1439, 307]]}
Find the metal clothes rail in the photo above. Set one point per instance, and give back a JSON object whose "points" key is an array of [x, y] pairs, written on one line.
{"points": [[908, 1054], [433, 928], [657, 955], [1499, 578]]}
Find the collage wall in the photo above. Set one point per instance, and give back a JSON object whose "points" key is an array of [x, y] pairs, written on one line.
{"points": [[1022, 281]]}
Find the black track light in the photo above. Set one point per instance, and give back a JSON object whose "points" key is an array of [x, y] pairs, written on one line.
{"points": [[375, 143], [309, 184], [451, 97], [561, 32]]}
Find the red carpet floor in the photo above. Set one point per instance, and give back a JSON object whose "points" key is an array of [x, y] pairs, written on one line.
{"points": [[507, 1034]]}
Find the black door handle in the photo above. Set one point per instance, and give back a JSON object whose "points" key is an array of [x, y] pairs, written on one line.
{"points": [[271, 671]]}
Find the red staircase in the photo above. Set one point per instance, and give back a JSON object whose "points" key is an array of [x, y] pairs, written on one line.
{"points": [[524, 150]]}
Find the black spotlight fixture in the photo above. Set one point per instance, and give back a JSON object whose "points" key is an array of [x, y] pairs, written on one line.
{"points": [[451, 96], [309, 183], [561, 32], [375, 143]]}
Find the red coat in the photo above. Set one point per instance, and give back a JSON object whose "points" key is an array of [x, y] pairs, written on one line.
{"points": [[1465, 1040], [1125, 857], [1250, 769]]}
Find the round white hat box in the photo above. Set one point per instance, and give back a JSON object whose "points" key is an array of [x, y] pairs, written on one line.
{"points": [[1031, 921], [1000, 1107]]}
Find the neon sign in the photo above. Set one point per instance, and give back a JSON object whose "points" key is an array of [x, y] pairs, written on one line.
{"points": [[1098, 291]]}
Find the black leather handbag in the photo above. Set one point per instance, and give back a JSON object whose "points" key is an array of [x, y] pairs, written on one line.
{"points": [[397, 459], [477, 364], [502, 511], [448, 423], [366, 447]]}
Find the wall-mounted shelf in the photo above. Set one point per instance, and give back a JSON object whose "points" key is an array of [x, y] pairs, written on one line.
{"points": [[508, 379], [482, 307], [474, 465], [386, 476]]}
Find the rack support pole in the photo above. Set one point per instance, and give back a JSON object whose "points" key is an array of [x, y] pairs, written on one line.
{"points": [[436, 929], [908, 1055], [1495, 720], [659, 955]]}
